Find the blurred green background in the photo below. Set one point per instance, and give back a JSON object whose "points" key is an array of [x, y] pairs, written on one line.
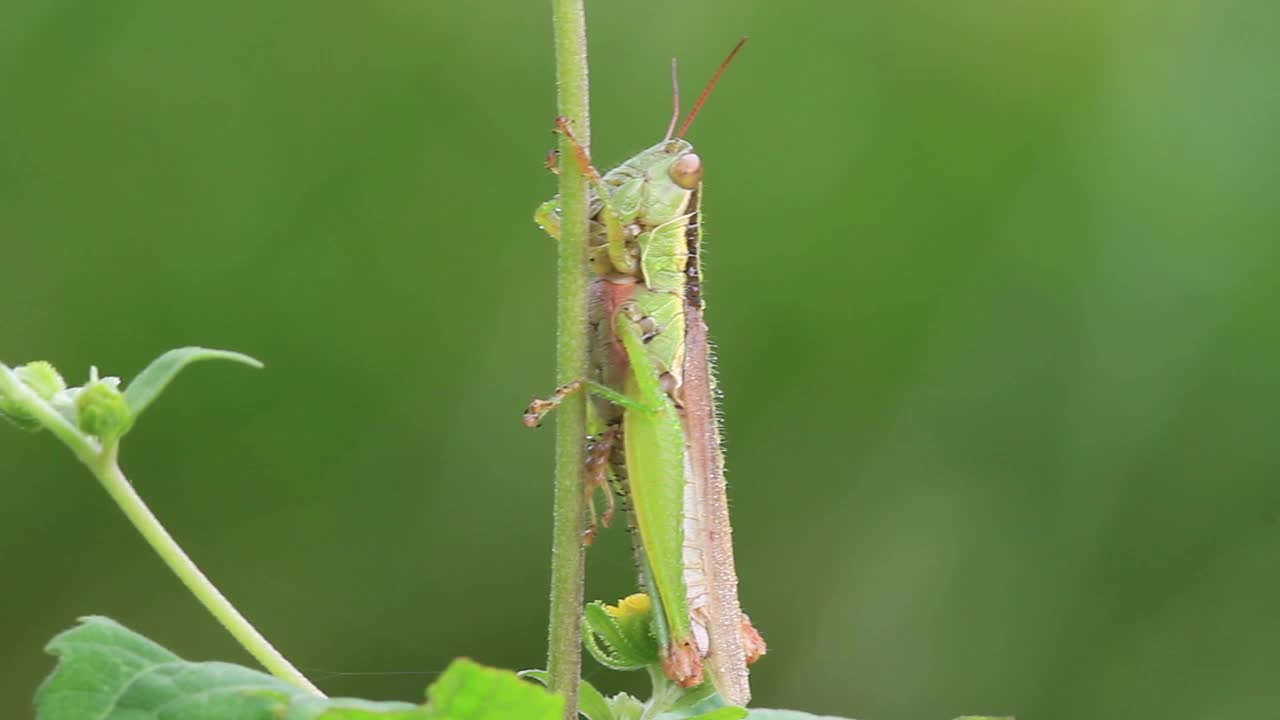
{"points": [[994, 286]]}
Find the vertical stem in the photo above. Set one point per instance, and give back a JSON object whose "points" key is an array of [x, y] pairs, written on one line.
{"points": [[564, 650]]}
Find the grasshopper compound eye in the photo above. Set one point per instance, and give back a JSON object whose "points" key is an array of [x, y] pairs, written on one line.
{"points": [[687, 171]]}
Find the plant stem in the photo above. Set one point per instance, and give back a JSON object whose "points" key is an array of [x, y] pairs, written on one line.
{"points": [[102, 462], [121, 490], [564, 661], [85, 447]]}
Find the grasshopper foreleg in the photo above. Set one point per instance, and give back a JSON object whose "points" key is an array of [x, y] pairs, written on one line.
{"points": [[619, 254], [547, 216]]}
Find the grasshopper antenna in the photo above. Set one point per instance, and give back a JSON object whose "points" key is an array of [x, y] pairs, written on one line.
{"points": [[675, 100], [714, 79]]}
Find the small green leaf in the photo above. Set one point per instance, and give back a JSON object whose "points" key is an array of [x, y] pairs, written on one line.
{"points": [[149, 383], [626, 707], [591, 702], [724, 713], [701, 698], [787, 715], [314, 708], [732, 713], [470, 691], [700, 702]]}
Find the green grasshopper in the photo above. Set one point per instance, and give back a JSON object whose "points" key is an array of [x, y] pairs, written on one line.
{"points": [[654, 424]]}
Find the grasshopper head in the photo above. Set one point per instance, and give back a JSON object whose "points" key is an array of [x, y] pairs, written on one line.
{"points": [[662, 179], [655, 185]]}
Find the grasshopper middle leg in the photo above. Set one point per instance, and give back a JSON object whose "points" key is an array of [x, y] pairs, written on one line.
{"points": [[539, 408]]}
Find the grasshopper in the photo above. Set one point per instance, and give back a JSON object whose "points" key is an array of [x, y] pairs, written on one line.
{"points": [[653, 421]]}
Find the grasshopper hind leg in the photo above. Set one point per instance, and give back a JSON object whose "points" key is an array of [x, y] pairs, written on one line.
{"points": [[599, 476]]}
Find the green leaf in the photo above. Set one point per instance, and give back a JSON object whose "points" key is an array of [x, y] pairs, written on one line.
{"points": [[470, 691], [699, 699], [626, 707], [149, 383], [108, 672], [732, 713], [787, 715], [314, 708], [724, 713], [591, 702]]}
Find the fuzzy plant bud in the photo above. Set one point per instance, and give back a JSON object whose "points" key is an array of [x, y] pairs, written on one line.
{"points": [[44, 380], [101, 410], [621, 636]]}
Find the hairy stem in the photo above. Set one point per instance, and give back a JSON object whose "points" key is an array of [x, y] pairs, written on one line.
{"points": [[564, 650]]}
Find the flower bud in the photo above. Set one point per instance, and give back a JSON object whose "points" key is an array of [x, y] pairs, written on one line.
{"points": [[44, 380], [621, 636], [101, 410]]}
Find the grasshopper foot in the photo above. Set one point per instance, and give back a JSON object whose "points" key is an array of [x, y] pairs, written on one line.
{"points": [[683, 664], [580, 154], [752, 642], [539, 408]]}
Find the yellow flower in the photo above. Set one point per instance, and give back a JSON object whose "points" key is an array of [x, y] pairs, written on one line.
{"points": [[630, 606]]}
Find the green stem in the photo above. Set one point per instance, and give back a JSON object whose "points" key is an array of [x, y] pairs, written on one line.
{"points": [[101, 461], [564, 650], [121, 490], [664, 694]]}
